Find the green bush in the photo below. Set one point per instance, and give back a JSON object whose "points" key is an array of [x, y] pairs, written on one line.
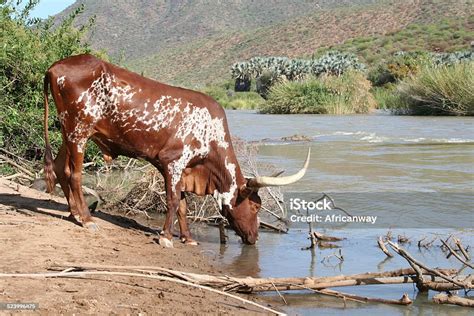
{"points": [[346, 94], [229, 99], [385, 96], [397, 67], [29, 48], [438, 90]]}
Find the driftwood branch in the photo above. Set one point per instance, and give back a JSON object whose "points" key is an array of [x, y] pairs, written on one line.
{"points": [[462, 249], [418, 266], [323, 237], [442, 298], [404, 300], [383, 248], [273, 227], [14, 164], [248, 285], [453, 252]]}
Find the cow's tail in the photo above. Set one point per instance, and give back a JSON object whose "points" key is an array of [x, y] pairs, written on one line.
{"points": [[49, 175]]}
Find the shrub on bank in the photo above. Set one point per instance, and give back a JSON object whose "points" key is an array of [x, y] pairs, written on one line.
{"points": [[438, 90], [346, 94], [30, 46], [229, 99]]}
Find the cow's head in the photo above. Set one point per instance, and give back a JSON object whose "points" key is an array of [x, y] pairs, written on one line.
{"points": [[243, 217]]}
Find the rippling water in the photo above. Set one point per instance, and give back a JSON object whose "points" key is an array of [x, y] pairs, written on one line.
{"points": [[414, 173]]}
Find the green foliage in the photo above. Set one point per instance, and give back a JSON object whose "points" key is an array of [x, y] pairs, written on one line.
{"points": [[438, 90], [452, 58], [385, 96], [229, 99], [346, 94], [397, 67], [403, 64], [336, 63], [30, 47], [270, 70], [333, 62]]}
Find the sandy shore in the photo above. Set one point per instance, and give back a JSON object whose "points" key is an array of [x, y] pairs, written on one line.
{"points": [[35, 233]]}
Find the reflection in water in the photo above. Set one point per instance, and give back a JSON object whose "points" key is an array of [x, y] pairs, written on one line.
{"points": [[246, 263], [381, 264], [312, 265]]}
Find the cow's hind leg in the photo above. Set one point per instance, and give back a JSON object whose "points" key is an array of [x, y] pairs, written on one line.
{"points": [[63, 173], [185, 235], [75, 182]]}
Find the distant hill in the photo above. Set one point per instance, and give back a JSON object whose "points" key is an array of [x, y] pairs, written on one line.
{"points": [[193, 42]]}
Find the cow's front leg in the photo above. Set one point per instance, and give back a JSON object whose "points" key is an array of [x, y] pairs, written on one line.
{"points": [[173, 195], [185, 235]]}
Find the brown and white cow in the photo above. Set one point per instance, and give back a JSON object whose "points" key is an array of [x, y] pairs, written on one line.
{"points": [[183, 133]]}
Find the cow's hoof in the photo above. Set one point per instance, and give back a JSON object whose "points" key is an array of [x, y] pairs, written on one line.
{"points": [[74, 218], [189, 241], [165, 242], [91, 226]]}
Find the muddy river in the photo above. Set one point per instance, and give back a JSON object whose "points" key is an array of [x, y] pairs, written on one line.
{"points": [[415, 174]]}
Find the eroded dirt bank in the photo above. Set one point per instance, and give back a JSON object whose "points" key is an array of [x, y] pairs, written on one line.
{"points": [[35, 234]]}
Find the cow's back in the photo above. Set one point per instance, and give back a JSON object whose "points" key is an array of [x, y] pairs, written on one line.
{"points": [[131, 115]]}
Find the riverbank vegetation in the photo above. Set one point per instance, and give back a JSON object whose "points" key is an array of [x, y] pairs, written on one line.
{"points": [[443, 90], [30, 47], [225, 95], [415, 83], [390, 62], [405, 75], [345, 94]]}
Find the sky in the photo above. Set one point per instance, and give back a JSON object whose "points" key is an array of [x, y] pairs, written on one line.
{"points": [[50, 7]]}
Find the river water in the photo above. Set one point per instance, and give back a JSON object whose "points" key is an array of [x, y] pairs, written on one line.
{"points": [[416, 174]]}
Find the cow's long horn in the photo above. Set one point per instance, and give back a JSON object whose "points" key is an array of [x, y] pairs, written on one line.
{"points": [[259, 182]]}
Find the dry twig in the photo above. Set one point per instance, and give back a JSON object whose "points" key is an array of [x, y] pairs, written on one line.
{"points": [[453, 252], [383, 248]]}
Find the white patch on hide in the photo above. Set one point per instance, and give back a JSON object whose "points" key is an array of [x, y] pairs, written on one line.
{"points": [[61, 81], [100, 100], [198, 125], [62, 117], [225, 198], [194, 125]]}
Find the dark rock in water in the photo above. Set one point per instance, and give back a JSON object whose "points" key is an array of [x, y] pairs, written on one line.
{"points": [[296, 138]]}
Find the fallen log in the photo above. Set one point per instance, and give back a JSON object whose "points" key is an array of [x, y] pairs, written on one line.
{"points": [[404, 300], [322, 237], [273, 227], [225, 284], [249, 285], [442, 298]]}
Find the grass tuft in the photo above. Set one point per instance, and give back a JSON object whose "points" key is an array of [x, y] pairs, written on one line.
{"points": [[443, 90], [346, 94]]}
